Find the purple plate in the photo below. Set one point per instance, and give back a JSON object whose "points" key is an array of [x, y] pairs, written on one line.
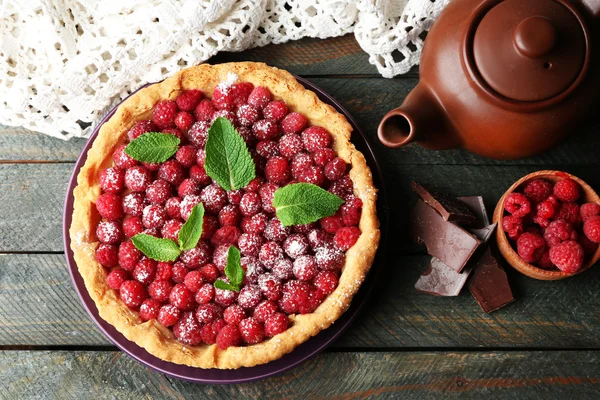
{"points": [[215, 376]]}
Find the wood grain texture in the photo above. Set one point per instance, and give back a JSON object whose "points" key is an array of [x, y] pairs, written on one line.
{"points": [[39, 307], [20, 144], [426, 375]]}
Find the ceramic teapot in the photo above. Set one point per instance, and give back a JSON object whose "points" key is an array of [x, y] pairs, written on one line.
{"points": [[504, 79]]}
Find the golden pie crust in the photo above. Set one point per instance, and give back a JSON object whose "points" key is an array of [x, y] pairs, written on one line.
{"points": [[158, 340]]}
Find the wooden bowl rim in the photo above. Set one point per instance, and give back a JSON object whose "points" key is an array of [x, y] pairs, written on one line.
{"points": [[507, 250]]}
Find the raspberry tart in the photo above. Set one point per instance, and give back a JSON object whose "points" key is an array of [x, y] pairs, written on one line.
{"points": [[223, 217]]}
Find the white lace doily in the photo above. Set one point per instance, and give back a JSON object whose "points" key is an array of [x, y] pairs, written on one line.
{"points": [[64, 62]]}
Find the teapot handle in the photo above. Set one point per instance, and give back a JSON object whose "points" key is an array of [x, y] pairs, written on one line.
{"points": [[593, 7]]}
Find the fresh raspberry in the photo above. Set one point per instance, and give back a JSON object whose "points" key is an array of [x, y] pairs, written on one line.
{"points": [[164, 271], [112, 180], [133, 204], [530, 247], [138, 129], [275, 110], [222, 97], [250, 244], [589, 210], [323, 156], [109, 232], [342, 187], [299, 163], [179, 271], [234, 314], [312, 174], [567, 256], [204, 111], [544, 262], [295, 294], [267, 192], [332, 224], [182, 298], [210, 272], [557, 232], [264, 310], [249, 296], [227, 114], [210, 331], [154, 216], [187, 204], [158, 192], [241, 91], [116, 277], [538, 190], [329, 258], [164, 112], [319, 238], [275, 324], [296, 245], [517, 204], [277, 170], [569, 212], [129, 255], [196, 257], [315, 138], [542, 222], [132, 226], [149, 309], [270, 286], [226, 235], [275, 231], [152, 232], [591, 228], [188, 99], [290, 145], [326, 281], [351, 210], [198, 174], [144, 271], [265, 129], [267, 149], [209, 227], [254, 224], [253, 269], [189, 187], [187, 330], [160, 290], [171, 171], [270, 253], [283, 269], [305, 228], [193, 281], [315, 298], [106, 255], [335, 169], [133, 293], [168, 315], [219, 257], [186, 155], [205, 293], [214, 198], [175, 132], [198, 133], [229, 215], [109, 206], [305, 268], [250, 204], [207, 313], [121, 159], [260, 97], [229, 336], [293, 123], [254, 184], [545, 209], [247, 115], [567, 190], [235, 196], [137, 178], [184, 120], [248, 136], [252, 331], [346, 237]]}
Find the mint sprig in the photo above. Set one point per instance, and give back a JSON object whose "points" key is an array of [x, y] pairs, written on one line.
{"points": [[228, 160], [153, 147], [303, 203], [233, 271], [163, 249]]}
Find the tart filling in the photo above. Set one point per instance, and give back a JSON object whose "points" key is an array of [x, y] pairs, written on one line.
{"points": [[297, 279]]}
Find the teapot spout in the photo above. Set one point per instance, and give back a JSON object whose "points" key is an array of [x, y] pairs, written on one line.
{"points": [[419, 119]]}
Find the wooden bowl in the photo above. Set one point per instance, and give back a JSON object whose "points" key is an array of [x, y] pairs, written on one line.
{"points": [[511, 256]]}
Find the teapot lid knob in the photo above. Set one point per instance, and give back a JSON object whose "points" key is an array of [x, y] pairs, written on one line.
{"points": [[535, 36]]}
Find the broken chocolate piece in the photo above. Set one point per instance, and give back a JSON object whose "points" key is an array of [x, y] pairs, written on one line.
{"points": [[477, 207], [489, 284], [448, 242], [450, 208]]}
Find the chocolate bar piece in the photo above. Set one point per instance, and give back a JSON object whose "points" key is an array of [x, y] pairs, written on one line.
{"points": [[477, 207], [489, 284], [450, 208], [444, 240]]}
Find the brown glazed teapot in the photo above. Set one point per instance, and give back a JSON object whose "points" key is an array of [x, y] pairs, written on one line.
{"points": [[504, 79]]}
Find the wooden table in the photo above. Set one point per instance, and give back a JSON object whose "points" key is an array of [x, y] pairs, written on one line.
{"points": [[405, 344]]}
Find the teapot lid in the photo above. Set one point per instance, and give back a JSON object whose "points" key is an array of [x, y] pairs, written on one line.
{"points": [[529, 50]]}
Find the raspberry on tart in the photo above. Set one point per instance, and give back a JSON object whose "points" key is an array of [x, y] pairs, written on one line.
{"points": [[297, 279]]}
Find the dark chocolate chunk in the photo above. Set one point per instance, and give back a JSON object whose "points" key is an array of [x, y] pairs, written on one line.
{"points": [[450, 208], [448, 242], [489, 284], [477, 207]]}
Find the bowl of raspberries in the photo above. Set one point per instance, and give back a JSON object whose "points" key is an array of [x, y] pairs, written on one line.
{"points": [[549, 225]]}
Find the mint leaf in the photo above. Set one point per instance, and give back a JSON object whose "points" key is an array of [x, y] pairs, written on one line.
{"points": [[233, 271], [153, 147], [303, 203], [190, 232], [156, 248], [228, 160]]}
